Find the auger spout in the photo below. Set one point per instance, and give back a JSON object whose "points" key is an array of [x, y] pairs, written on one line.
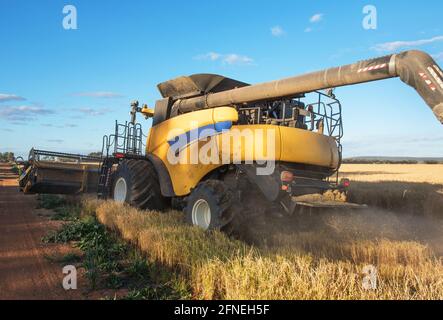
{"points": [[416, 68]]}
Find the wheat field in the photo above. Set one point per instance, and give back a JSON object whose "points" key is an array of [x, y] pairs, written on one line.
{"points": [[406, 189], [417, 173], [316, 257]]}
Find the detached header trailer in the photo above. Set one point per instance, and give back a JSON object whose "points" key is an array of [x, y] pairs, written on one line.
{"points": [[302, 110], [59, 173]]}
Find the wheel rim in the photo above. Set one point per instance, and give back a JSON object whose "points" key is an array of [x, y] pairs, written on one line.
{"points": [[120, 190], [201, 214]]}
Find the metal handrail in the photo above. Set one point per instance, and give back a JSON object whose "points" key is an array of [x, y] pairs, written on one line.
{"points": [[127, 139], [35, 154]]}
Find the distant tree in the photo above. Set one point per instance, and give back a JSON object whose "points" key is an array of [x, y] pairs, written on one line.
{"points": [[97, 154], [7, 156], [378, 161]]}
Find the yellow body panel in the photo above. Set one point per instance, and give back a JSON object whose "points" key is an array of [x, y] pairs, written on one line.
{"points": [[284, 144], [240, 143], [250, 143], [167, 129], [186, 176], [303, 146]]}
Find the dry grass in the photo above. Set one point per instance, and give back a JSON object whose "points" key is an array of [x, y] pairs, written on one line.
{"points": [[408, 189], [324, 263], [166, 238], [325, 260]]}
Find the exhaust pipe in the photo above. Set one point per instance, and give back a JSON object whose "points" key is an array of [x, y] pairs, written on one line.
{"points": [[415, 68]]}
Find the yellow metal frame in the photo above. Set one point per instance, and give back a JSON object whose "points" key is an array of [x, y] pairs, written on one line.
{"points": [[281, 143]]}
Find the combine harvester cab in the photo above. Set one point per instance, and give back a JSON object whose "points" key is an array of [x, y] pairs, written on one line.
{"points": [[48, 172]]}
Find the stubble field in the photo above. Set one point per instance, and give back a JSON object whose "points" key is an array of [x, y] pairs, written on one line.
{"points": [[320, 256]]}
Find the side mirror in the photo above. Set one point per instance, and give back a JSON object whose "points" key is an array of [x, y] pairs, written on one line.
{"points": [[147, 112]]}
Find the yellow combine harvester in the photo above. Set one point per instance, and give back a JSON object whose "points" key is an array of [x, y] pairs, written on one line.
{"points": [[220, 148]]}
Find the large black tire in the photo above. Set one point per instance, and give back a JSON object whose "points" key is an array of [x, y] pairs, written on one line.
{"points": [[136, 182], [210, 205]]}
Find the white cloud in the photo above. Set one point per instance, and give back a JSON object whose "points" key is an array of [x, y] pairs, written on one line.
{"points": [[213, 56], [277, 31], [231, 59], [23, 113], [237, 59], [98, 94], [395, 45], [10, 97], [316, 18], [92, 112], [51, 125]]}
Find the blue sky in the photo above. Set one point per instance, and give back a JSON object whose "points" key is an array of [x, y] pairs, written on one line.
{"points": [[63, 89]]}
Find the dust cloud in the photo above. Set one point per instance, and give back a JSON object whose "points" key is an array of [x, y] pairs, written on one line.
{"points": [[326, 233]]}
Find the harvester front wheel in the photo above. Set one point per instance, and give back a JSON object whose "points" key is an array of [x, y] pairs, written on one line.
{"points": [[210, 205], [136, 183]]}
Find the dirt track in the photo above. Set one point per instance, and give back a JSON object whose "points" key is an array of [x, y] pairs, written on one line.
{"points": [[25, 270]]}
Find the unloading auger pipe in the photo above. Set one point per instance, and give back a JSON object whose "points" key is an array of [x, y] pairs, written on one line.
{"points": [[416, 68]]}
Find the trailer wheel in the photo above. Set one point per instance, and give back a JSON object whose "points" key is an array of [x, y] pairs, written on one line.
{"points": [[136, 183], [210, 205]]}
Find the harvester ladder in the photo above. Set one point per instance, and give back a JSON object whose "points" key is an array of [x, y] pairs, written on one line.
{"points": [[104, 181]]}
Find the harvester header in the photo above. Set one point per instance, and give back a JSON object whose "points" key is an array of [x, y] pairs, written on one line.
{"points": [[416, 68]]}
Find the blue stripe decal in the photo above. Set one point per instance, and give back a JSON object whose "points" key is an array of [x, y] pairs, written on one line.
{"points": [[200, 133], [225, 125]]}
